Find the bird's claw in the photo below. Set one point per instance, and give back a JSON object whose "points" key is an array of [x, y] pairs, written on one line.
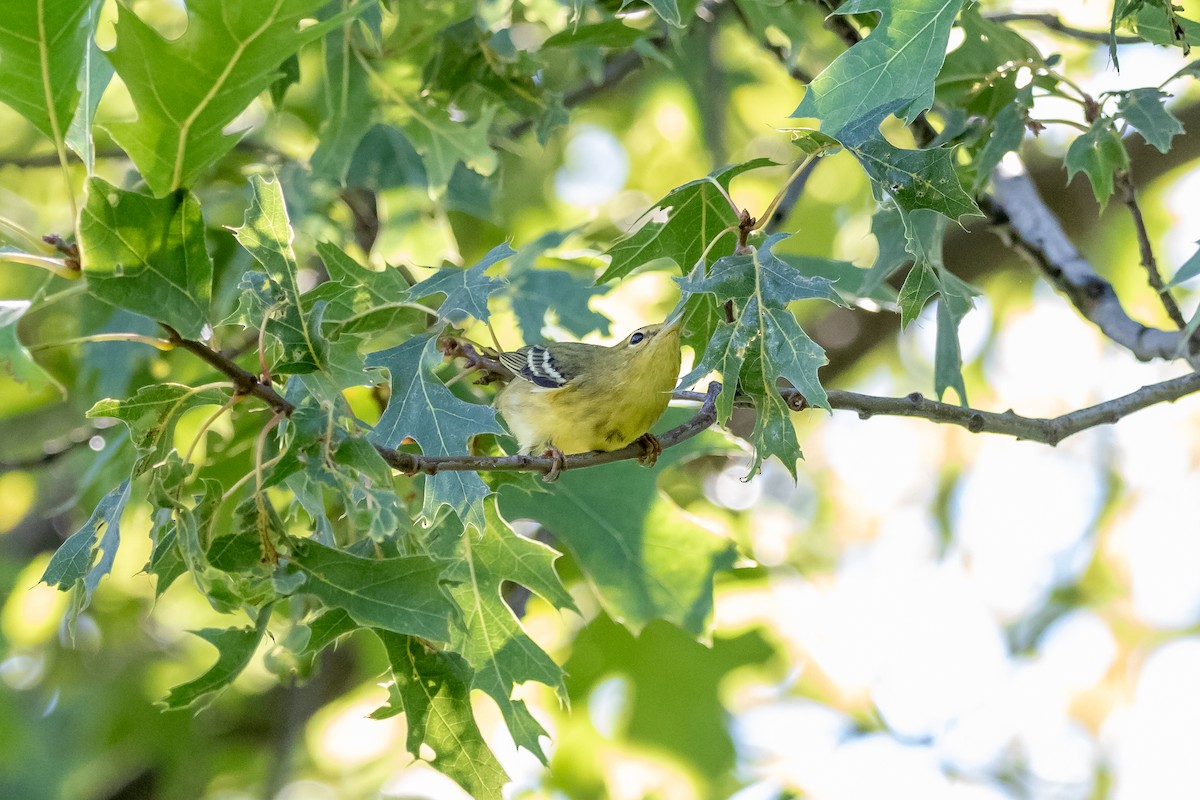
{"points": [[651, 448], [556, 468]]}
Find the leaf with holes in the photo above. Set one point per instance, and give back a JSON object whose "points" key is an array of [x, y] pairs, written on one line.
{"points": [[466, 290], [87, 556], [152, 414], [492, 639]]}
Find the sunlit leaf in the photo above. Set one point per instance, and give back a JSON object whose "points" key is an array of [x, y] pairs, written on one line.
{"points": [[147, 255], [42, 47], [235, 648], [267, 235], [493, 640], [893, 67], [14, 357], [152, 414], [695, 214], [433, 690], [87, 556], [186, 90]]}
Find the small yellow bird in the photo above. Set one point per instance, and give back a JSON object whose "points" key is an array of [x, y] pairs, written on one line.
{"points": [[570, 397]]}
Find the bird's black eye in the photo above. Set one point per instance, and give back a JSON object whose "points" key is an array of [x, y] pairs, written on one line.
{"points": [[637, 338]]}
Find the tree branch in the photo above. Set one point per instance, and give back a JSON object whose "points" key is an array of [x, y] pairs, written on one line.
{"points": [[1124, 182], [1046, 431], [1029, 227], [1057, 25]]}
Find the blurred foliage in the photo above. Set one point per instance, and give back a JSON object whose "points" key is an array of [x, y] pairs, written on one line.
{"points": [[204, 204]]}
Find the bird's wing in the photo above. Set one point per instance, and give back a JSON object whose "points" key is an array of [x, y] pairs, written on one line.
{"points": [[539, 366]]}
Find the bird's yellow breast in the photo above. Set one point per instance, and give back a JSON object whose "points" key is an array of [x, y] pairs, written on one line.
{"points": [[602, 412]]}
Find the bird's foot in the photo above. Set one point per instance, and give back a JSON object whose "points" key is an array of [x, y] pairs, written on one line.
{"points": [[560, 463], [651, 448]]}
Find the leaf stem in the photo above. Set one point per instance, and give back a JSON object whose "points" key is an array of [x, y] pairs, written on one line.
{"points": [[161, 344], [56, 265], [796, 173]]}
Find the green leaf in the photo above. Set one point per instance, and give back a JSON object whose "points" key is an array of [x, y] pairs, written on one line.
{"points": [[919, 286], [764, 344], [385, 159], [724, 354], [152, 414], [759, 273], [893, 67], [423, 409], [1005, 136], [980, 75], [403, 595], [1189, 270], [87, 556], [186, 90], [1146, 110], [887, 226], [147, 255], [348, 106], [695, 213], [433, 689], [535, 293], [94, 76], [166, 561], [15, 358], [914, 179], [609, 33], [235, 648], [812, 142], [1098, 153], [650, 560], [360, 300], [1157, 22], [667, 9], [466, 290], [42, 46], [267, 235], [493, 641], [444, 143]]}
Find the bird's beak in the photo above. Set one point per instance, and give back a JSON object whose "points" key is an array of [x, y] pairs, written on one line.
{"points": [[673, 322]]}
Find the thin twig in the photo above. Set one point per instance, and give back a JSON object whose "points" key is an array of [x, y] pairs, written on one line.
{"points": [[1124, 182], [791, 196], [1045, 431], [1057, 25], [1048, 431]]}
